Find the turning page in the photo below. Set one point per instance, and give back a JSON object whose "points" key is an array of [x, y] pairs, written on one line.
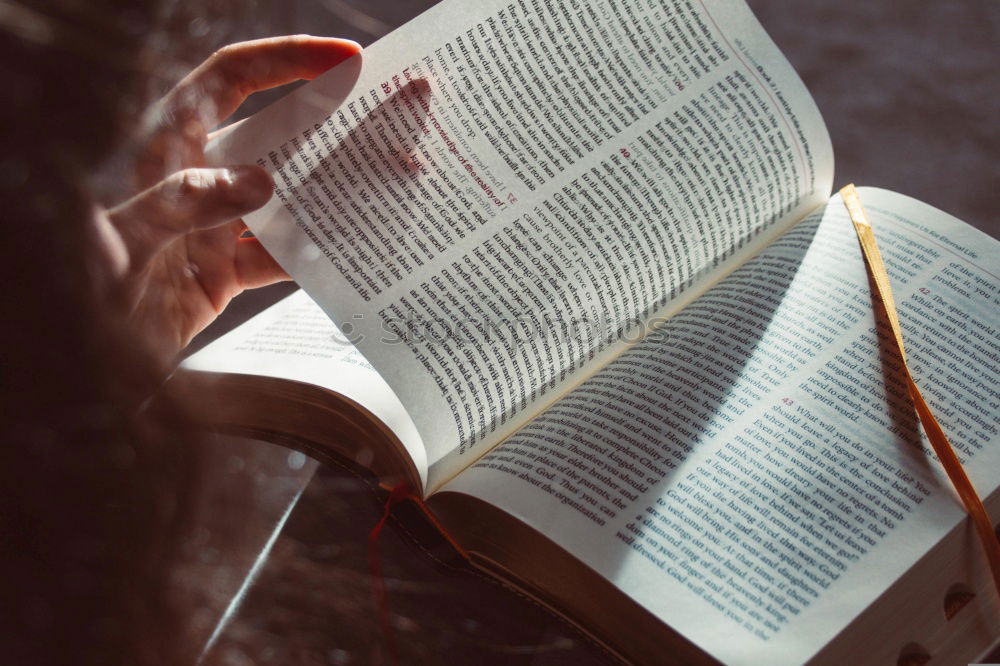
{"points": [[499, 195], [753, 472]]}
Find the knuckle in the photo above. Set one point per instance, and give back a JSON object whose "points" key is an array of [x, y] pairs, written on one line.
{"points": [[225, 70], [220, 63], [222, 53], [191, 183]]}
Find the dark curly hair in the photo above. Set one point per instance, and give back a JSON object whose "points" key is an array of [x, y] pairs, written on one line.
{"points": [[96, 477]]}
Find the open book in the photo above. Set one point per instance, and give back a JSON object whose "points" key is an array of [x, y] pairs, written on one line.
{"points": [[592, 301]]}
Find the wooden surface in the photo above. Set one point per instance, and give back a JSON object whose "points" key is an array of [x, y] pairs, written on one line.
{"points": [[311, 601]]}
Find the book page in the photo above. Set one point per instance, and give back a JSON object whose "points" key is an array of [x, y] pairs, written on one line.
{"points": [[499, 195], [754, 473], [293, 339]]}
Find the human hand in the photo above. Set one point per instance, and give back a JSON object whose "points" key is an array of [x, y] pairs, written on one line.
{"points": [[177, 244]]}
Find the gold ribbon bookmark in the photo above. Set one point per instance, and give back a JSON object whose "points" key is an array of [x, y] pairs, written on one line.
{"points": [[942, 447]]}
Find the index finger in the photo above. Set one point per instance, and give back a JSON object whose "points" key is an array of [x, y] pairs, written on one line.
{"points": [[218, 86]]}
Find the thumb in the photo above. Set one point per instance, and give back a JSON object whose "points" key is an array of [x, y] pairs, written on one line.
{"points": [[187, 201]]}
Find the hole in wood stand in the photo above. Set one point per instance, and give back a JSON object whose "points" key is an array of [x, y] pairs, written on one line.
{"points": [[957, 596], [913, 655]]}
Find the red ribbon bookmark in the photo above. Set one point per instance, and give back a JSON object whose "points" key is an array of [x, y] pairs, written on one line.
{"points": [[396, 495]]}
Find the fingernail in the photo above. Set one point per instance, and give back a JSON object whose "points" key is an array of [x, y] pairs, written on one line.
{"points": [[251, 185], [351, 44], [341, 42]]}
